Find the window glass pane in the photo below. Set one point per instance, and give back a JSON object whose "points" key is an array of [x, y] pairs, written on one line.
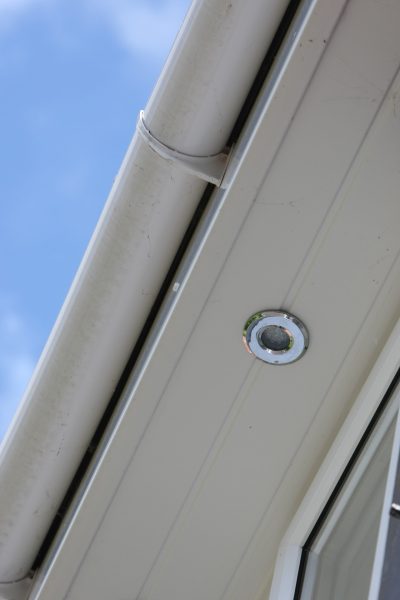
{"points": [[340, 563]]}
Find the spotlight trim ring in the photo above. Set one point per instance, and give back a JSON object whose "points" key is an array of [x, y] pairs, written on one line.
{"points": [[292, 324]]}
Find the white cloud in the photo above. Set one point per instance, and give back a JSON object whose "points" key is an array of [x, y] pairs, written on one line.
{"points": [[15, 7], [16, 363], [143, 26], [12, 10]]}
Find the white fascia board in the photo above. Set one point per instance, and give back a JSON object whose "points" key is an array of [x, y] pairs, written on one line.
{"points": [[192, 110]]}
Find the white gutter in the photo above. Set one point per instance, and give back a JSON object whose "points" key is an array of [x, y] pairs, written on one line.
{"points": [[191, 112]]}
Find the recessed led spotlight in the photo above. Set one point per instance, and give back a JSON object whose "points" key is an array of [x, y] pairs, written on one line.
{"points": [[275, 336]]}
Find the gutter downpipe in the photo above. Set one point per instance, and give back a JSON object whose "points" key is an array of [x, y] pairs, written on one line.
{"points": [[191, 113]]}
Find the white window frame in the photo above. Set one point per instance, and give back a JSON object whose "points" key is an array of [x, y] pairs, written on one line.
{"points": [[338, 457]]}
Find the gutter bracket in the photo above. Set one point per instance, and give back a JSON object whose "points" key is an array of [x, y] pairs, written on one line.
{"points": [[209, 168]]}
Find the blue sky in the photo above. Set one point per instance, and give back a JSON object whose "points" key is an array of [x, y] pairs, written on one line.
{"points": [[73, 76]]}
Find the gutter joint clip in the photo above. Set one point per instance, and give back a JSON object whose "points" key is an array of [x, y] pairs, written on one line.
{"points": [[209, 168]]}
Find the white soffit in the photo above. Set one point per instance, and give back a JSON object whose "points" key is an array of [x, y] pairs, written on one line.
{"points": [[214, 449]]}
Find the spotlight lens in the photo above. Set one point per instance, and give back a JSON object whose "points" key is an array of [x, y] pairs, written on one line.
{"points": [[275, 338]]}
